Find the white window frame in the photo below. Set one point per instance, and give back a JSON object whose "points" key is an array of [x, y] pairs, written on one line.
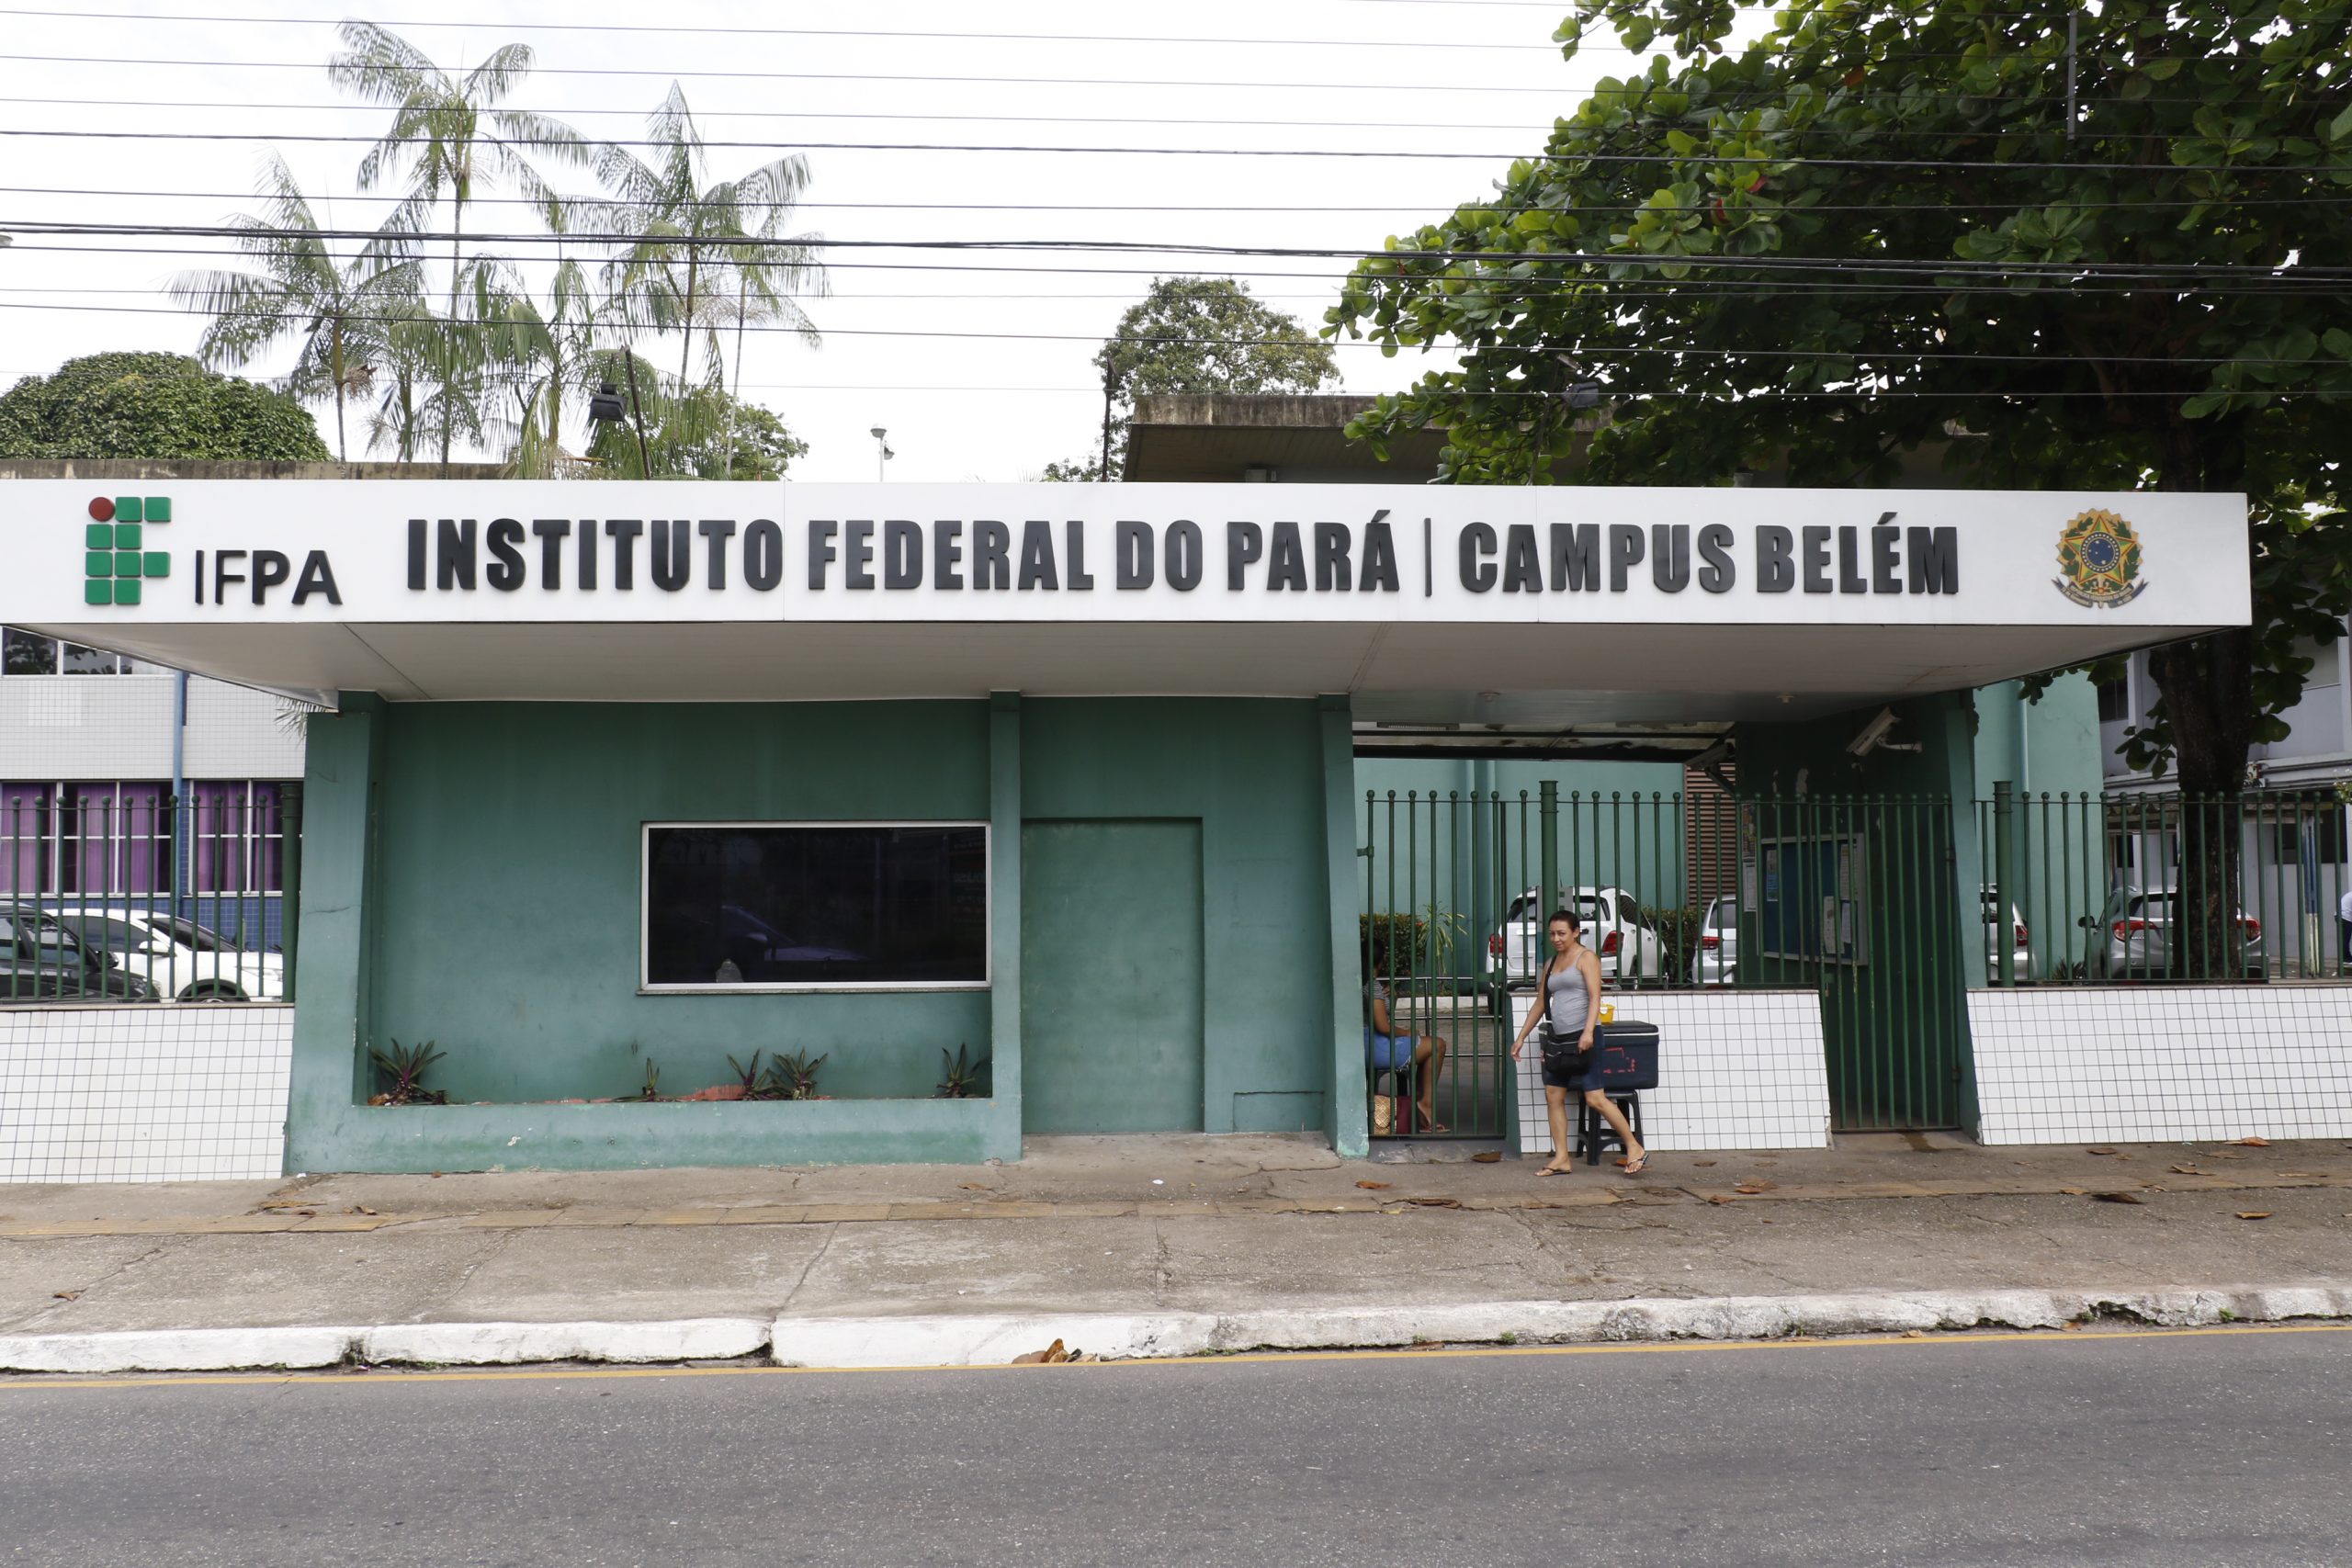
{"points": [[647, 987]]}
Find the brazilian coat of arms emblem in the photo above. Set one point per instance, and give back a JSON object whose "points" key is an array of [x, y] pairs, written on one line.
{"points": [[2098, 558]]}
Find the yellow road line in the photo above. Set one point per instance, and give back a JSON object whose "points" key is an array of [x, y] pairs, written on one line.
{"points": [[386, 1377]]}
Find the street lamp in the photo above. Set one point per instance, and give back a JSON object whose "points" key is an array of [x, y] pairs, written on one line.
{"points": [[882, 453]]}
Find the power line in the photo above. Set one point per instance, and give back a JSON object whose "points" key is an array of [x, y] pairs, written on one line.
{"points": [[1632, 90]]}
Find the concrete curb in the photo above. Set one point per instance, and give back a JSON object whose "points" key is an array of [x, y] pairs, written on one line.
{"points": [[984, 1340]]}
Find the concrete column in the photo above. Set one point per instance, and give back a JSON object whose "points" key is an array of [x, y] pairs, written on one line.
{"points": [[1004, 1134], [330, 1065], [1345, 1107]]}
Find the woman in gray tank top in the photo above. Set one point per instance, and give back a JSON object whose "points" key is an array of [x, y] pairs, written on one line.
{"points": [[1568, 1000]]}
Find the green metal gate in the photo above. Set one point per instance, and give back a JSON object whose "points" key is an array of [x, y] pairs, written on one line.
{"points": [[1856, 898]]}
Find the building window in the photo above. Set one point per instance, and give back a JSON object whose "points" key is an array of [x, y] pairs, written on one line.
{"points": [[813, 905], [28, 653], [100, 839], [2114, 701]]}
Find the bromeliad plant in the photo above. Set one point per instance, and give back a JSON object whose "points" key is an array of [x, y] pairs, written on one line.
{"points": [[652, 1090], [754, 1081], [404, 1070], [792, 1078], [964, 1074]]}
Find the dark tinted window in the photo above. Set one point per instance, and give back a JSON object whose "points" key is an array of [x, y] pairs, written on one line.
{"points": [[816, 905], [26, 653]]}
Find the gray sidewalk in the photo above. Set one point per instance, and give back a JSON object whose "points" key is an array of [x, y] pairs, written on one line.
{"points": [[1157, 1244]]}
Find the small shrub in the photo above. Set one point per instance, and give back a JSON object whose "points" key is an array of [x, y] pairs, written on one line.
{"points": [[404, 1070], [754, 1082], [651, 1091], [964, 1074], [792, 1078]]}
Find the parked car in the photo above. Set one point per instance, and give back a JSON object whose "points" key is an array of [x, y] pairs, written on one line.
{"points": [[2139, 936], [41, 958], [2021, 941], [1718, 943], [1629, 950], [180, 958]]}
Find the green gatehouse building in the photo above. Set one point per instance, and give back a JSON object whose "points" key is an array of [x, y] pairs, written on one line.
{"points": [[1119, 789]]}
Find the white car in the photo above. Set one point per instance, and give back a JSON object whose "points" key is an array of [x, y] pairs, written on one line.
{"points": [[2020, 948], [1612, 929], [185, 961], [1718, 943]]}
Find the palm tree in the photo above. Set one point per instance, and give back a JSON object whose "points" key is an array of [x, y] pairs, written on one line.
{"points": [[453, 134], [538, 354], [339, 310], [692, 247]]}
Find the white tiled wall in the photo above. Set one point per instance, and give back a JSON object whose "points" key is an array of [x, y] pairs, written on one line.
{"points": [[2154, 1063], [234, 733], [120, 727], [1735, 1070], [152, 1093]]}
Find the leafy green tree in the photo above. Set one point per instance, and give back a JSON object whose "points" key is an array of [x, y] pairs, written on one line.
{"points": [[153, 405], [1195, 334], [340, 312], [691, 431], [451, 134], [1933, 223]]}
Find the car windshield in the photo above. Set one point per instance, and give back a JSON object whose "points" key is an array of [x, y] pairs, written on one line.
{"points": [[204, 939], [2153, 907], [1722, 913]]}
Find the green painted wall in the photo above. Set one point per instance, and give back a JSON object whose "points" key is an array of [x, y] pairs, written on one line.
{"points": [[2049, 748], [1251, 772], [472, 877]]}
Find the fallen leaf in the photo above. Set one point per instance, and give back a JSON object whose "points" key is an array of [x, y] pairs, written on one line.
{"points": [[1758, 1184], [2187, 1170], [67, 1295], [1747, 1187], [2099, 1151], [1486, 1157], [1047, 1357], [1436, 1202], [2071, 1192], [973, 1186], [2119, 1197], [1703, 1162], [2252, 1143], [359, 1209], [1768, 1222], [2254, 1213], [1913, 1334], [2070, 1328], [1717, 1197], [1374, 1185]]}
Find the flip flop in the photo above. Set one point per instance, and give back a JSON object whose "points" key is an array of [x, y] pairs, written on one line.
{"points": [[1552, 1170], [1635, 1167]]}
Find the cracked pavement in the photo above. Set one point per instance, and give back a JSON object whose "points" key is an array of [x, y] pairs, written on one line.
{"points": [[1135, 1224]]}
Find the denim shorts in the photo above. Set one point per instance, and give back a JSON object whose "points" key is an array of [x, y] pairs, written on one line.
{"points": [[1389, 1052]]}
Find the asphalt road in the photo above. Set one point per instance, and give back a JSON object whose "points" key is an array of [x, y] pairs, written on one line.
{"points": [[2216, 1448]]}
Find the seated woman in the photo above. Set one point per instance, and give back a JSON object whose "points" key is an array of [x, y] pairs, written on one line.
{"points": [[1389, 1051]]}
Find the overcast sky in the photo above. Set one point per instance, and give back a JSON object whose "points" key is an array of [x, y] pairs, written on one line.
{"points": [[955, 408]]}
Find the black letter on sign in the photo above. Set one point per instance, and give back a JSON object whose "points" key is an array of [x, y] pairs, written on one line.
{"points": [[270, 568], [1670, 556], [1576, 557], [1131, 554], [820, 553], [673, 567], [1886, 564], [505, 573], [551, 531], [415, 557], [1379, 557], [991, 548], [1850, 562], [1477, 545], [456, 545], [1331, 551], [1287, 570], [1775, 572], [317, 577], [948, 554], [1817, 559], [623, 532], [1244, 543], [1716, 572], [901, 554], [587, 537], [1037, 557], [857, 544], [1935, 560], [1522, 562], [762, 556], [1081, 579], [718, 530], [1180, 556], [1624, 553]]}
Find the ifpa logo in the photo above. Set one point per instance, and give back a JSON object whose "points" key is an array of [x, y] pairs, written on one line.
{"points": [[116, 559], [2098, 556]]}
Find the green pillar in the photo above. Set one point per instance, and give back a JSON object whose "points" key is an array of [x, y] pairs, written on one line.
{"points": [[1004, 1134], [343, 764], [1346, 1106]]}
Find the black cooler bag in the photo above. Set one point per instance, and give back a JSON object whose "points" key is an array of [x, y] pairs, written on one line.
{"points": [[1628, 1054]]}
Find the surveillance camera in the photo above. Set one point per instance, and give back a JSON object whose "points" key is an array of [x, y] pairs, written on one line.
{"points": [[1872, 734]]}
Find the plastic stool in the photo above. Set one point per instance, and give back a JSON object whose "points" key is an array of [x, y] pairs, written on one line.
{"points": [[1592, 1132]]}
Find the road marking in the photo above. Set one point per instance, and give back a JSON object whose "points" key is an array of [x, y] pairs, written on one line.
{"points": [[388, 1376]]}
